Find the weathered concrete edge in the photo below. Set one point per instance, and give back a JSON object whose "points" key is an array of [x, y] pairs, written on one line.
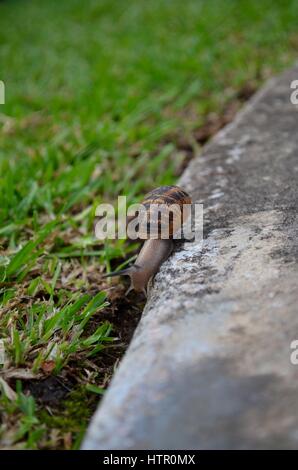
{"points": [[125, 371]]}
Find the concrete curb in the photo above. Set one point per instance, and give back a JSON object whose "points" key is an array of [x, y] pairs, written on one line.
{"points": [[209, 365]]}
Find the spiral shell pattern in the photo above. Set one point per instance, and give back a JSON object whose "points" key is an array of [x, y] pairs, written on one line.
{"points": [[166, 210]]}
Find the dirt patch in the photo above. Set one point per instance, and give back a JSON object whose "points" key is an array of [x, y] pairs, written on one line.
{"points": [[51, 390]]}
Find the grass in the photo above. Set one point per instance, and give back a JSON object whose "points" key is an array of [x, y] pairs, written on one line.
{"points": [[102, 98]]}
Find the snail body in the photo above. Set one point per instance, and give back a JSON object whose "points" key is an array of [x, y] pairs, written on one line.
{"points": [[158, 233]]}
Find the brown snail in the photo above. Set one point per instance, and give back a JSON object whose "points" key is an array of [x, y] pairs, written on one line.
{"points": [[165, 209]]}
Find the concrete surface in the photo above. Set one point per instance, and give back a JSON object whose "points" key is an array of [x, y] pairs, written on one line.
{"points": [[209, 365]]}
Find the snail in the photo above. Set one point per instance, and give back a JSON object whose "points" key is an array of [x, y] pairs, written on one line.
{"points": [[165, 209]]}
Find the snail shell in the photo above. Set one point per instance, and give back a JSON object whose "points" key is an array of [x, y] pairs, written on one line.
{"points": [[165, 209]]}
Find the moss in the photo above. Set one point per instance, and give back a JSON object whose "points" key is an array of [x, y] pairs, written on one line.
{"points": [[70, 417]]}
